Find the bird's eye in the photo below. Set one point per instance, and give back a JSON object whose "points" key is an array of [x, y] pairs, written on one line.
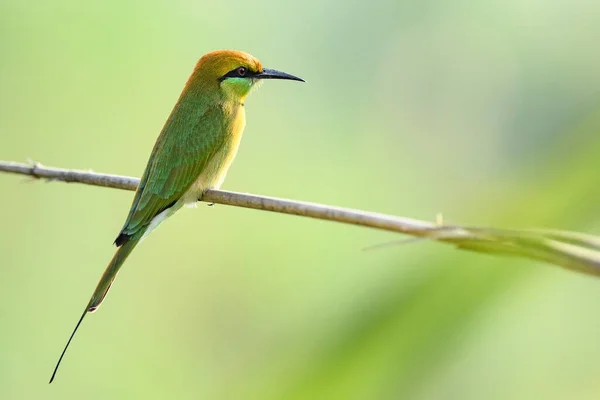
{"points": [[239, 72]]}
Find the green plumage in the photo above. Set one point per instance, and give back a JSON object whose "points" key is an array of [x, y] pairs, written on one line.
{"points": [[192, 154], [190, 138]]}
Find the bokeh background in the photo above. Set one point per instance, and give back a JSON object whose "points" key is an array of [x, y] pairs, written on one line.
{"points": [[487, 111]]}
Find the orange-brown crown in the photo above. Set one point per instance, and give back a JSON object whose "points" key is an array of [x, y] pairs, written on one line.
{"points": [[218, 63]]}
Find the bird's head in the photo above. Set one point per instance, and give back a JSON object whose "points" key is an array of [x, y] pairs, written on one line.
{"points": [[232, 74]]}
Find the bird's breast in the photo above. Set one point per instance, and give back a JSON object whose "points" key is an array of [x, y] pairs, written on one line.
{"points": [[213, 174]]}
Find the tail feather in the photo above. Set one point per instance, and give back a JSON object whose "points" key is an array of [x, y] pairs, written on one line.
{"points": [[108, 277], [110, 273]]}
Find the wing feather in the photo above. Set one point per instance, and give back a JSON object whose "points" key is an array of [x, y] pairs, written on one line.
{"points": [[190, 137]]}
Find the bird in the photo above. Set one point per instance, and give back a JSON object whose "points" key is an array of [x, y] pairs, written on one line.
{"points": [[192, 154]]}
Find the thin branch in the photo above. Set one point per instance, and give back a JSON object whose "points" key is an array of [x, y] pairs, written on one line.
{"points": [[319, 211], [575, 251]]}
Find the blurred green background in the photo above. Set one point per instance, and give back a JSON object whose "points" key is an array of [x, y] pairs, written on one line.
{"points": [[487, 111]]}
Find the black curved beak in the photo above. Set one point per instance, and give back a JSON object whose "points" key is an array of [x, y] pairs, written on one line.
{"points": [[274, 74]]}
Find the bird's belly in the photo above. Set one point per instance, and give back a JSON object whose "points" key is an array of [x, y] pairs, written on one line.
{"points": [[212, 177]]}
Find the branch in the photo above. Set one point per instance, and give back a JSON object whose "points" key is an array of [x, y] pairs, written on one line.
{"points": [[572, 250]]}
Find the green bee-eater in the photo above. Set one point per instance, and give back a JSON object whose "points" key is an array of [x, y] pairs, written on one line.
{"points": [[192, 154]]}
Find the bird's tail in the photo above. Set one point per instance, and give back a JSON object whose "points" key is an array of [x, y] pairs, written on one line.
{"points": [[110, 273], [108, 277]]}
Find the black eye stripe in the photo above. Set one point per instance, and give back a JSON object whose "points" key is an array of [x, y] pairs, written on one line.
{"points": [[235, 73]]}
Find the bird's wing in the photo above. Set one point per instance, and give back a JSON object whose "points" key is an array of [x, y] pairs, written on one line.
{"points": [[189, 139]]}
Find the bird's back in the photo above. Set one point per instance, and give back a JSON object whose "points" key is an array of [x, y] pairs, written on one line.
{"points": [[191, 137]]}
